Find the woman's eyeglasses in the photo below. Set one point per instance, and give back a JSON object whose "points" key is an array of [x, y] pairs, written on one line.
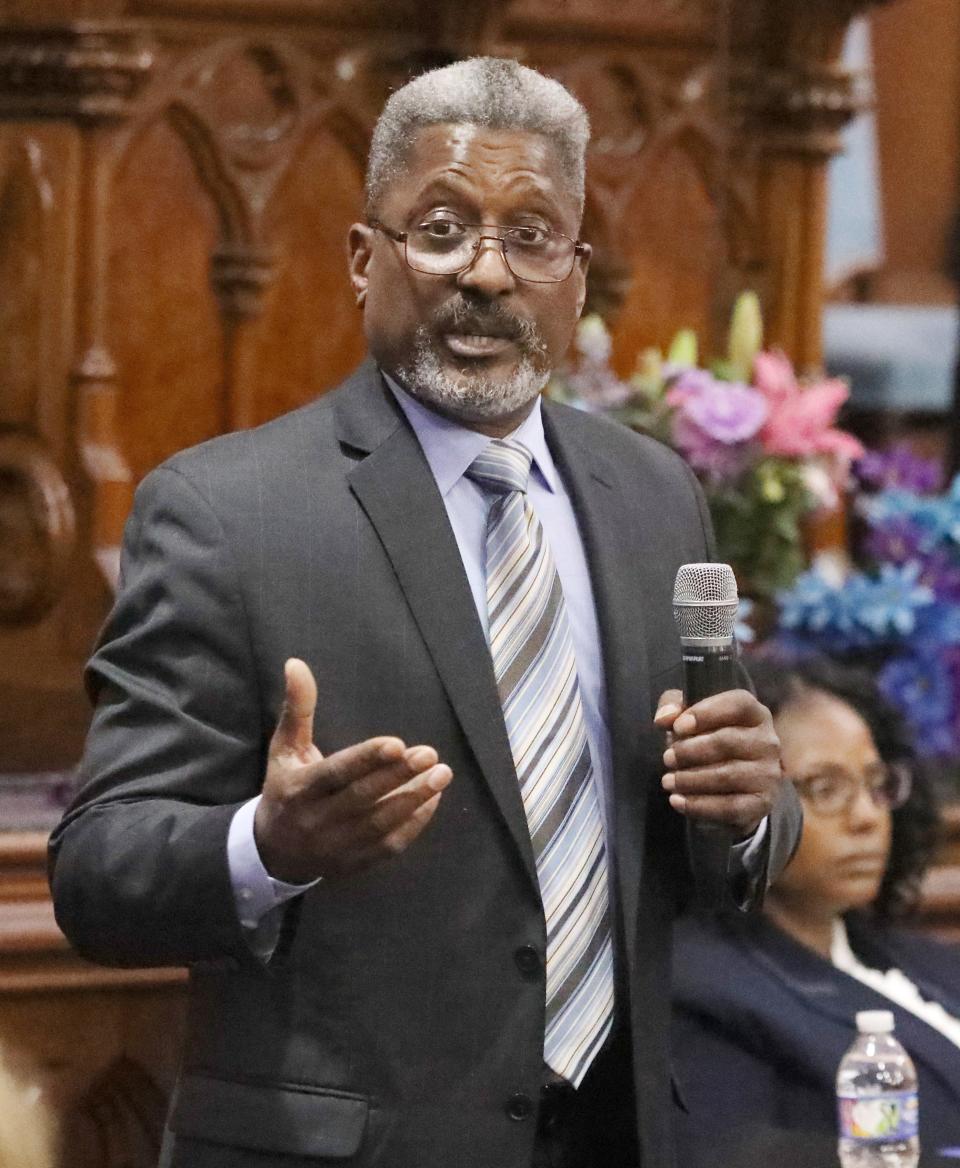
{"points": [[834, 792]]}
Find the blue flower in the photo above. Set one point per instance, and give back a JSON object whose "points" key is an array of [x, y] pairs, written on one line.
{"points": [[809, 603], [936, 519], [863, 612], [886, 607], [921, 687], [938, 624]]}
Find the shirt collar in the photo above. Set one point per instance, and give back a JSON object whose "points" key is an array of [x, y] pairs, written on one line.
{"points": [[449, 447], [841, 955]]}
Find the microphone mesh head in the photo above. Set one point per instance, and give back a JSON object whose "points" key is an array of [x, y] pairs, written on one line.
{"points": [[705, 601]]}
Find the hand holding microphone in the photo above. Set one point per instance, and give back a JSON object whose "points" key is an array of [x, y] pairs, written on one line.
{"points": [[723, 755]]}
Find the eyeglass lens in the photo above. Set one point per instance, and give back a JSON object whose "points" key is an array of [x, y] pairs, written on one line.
{"points": [[530, 253], [834, 793]]}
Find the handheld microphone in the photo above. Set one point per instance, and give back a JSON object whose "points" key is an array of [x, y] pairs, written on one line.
{"points": [[705, 608]]}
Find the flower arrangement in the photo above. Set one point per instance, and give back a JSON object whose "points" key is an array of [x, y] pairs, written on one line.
{"points": [[762, 442], [900, 610]]}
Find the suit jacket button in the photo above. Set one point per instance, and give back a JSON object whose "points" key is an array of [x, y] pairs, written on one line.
{"points": [[528, 961], [519, 1107]]}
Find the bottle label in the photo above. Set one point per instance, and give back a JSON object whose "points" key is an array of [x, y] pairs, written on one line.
{"points": [[888, 1117]]}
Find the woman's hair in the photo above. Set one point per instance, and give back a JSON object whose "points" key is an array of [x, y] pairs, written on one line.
{"points": [[916, 823]]}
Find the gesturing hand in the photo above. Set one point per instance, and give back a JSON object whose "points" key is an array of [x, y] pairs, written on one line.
{"points": [[330, 816], [722, 760]]}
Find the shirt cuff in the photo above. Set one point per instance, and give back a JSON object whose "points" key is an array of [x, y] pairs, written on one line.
{"points": [[747, 855], [255, 892]]}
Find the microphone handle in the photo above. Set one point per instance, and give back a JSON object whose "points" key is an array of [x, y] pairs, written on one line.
{"points": [[708, 669]]}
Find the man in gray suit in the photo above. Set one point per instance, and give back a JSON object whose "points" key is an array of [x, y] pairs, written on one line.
{"points": [[376, 751]]}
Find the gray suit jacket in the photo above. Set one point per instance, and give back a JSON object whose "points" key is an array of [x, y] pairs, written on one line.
{"points": [[401, 1011]]}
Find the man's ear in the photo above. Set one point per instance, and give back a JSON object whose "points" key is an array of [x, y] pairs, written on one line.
{"points": [[583, 263], [360, 246]]}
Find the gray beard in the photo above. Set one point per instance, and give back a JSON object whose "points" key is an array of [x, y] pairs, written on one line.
{"points": [[470, 397]]}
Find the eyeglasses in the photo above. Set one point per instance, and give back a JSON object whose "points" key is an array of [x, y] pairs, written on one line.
{"points": [[446, 247], [834, 793]]}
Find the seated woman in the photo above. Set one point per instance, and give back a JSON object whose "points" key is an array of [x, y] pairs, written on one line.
{"points": [[764, 1005]]}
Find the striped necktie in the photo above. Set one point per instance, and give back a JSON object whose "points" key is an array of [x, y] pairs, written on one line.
{"points": [[537, 682]]}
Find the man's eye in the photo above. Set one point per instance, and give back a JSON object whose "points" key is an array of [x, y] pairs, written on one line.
{"points": [[442, 228], [529, 236]]}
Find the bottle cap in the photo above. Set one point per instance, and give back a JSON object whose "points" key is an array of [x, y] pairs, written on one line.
{"points": [[875, 1021]]}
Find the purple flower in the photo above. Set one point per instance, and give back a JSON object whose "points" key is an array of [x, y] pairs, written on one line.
{"points": [[718, 462], [899, 467], [714, 423], [897, 540], [726, 411]]}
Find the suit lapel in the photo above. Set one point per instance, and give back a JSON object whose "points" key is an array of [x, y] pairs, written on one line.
{"points": [[606, 524], [396, 490]]}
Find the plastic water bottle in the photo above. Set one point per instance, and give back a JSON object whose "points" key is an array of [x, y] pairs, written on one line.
{"points": [[877, 1098]]}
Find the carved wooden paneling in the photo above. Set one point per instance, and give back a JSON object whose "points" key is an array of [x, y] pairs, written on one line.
{"points": [[311, 304], [166, 336], [118, 1121], [673, 226], [916, 48], [675, 269], [25, 205], [36, 512], [253, 301], [657, 18], [39, 503], [37, 529], [55, 70], [105, 1062], [38, 164], [101, 1044]]}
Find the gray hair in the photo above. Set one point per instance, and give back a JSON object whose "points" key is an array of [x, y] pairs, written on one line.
{"points": [[492, 92]]}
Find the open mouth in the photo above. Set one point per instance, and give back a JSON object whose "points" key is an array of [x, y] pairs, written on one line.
{"points": [[477, 344]]}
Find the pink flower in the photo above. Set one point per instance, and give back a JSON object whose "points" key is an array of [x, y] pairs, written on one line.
{"points": [[801, 418], [773, 375]]}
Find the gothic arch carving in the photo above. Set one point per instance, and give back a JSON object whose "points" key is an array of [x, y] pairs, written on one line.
{"points": [[26, 206], [642, 116]]}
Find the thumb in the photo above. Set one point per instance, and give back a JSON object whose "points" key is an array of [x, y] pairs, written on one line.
{"points": [[294, 730], [668, 708]]}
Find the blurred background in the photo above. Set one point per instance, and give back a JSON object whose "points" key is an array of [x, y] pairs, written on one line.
{"points": [[176, 182]]}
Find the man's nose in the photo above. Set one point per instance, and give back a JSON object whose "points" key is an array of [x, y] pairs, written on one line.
{"points": [[488, 273]]}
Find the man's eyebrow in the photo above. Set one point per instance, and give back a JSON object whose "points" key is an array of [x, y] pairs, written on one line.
{"points": [[536, 191], [443, 185]]}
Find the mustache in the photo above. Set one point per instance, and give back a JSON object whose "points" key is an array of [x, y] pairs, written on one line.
{"points": [[487, 319]]}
